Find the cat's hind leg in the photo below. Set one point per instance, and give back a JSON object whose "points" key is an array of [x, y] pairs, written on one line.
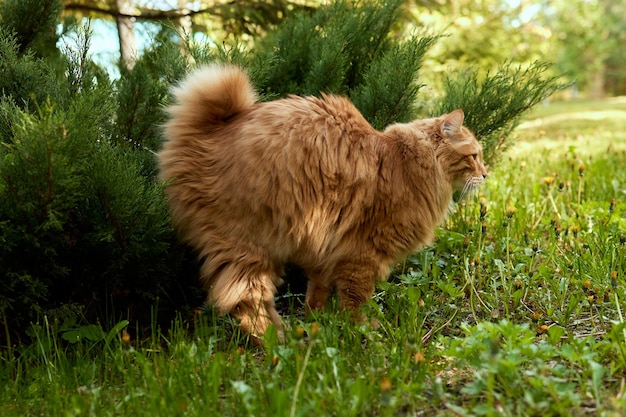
{"points": [[246, 290], [355, 284], [317, 293]]}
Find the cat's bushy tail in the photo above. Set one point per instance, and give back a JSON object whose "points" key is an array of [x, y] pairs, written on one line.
{"points": [[206, 98]]}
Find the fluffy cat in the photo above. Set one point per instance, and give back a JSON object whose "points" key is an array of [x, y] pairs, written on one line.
{"points": [[305, 180]]}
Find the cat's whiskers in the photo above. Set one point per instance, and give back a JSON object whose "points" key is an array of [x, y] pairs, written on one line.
{"points": [[467, 187], [470, 187]]}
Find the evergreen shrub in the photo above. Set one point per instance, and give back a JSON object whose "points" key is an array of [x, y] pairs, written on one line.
{"points": [[82, 219]]}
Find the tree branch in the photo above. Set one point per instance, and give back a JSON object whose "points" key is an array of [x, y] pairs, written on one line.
{"points": [[145, 14]]}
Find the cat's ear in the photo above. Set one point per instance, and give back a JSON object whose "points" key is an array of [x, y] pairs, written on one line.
{"points": [[452, 123]]}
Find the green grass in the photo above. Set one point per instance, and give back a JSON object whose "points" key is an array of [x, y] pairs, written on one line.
{"points": [[516, 310], [615, 104]]}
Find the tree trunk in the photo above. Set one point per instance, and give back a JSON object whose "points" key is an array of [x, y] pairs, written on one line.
{"points": [[597, 84], [126, 33], [184, 27]]}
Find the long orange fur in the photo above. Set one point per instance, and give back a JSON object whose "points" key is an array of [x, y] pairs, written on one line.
{"points": [[304, 180]]}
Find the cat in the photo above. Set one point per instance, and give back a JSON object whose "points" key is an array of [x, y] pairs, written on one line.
{"points": [[303, 180]]}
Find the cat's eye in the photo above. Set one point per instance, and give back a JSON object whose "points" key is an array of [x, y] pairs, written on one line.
{"points": [[475, 156]]}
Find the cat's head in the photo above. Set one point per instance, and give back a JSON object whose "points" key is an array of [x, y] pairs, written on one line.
{"points": [[459, 153]]}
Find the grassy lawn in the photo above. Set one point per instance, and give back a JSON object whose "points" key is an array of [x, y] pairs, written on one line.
{"points": [[516, 310]]}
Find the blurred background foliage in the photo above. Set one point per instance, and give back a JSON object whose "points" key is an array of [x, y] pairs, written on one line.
{"points": [[583, 38]]}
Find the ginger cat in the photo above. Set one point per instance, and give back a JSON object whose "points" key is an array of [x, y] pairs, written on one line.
{"points": [[305, 180]]}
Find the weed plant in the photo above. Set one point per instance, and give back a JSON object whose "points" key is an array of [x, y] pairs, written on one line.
{"points": [[516, 310]]}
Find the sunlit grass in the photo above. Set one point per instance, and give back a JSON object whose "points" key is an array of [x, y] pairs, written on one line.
{"points": [[517, 309], [594, 109]]}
